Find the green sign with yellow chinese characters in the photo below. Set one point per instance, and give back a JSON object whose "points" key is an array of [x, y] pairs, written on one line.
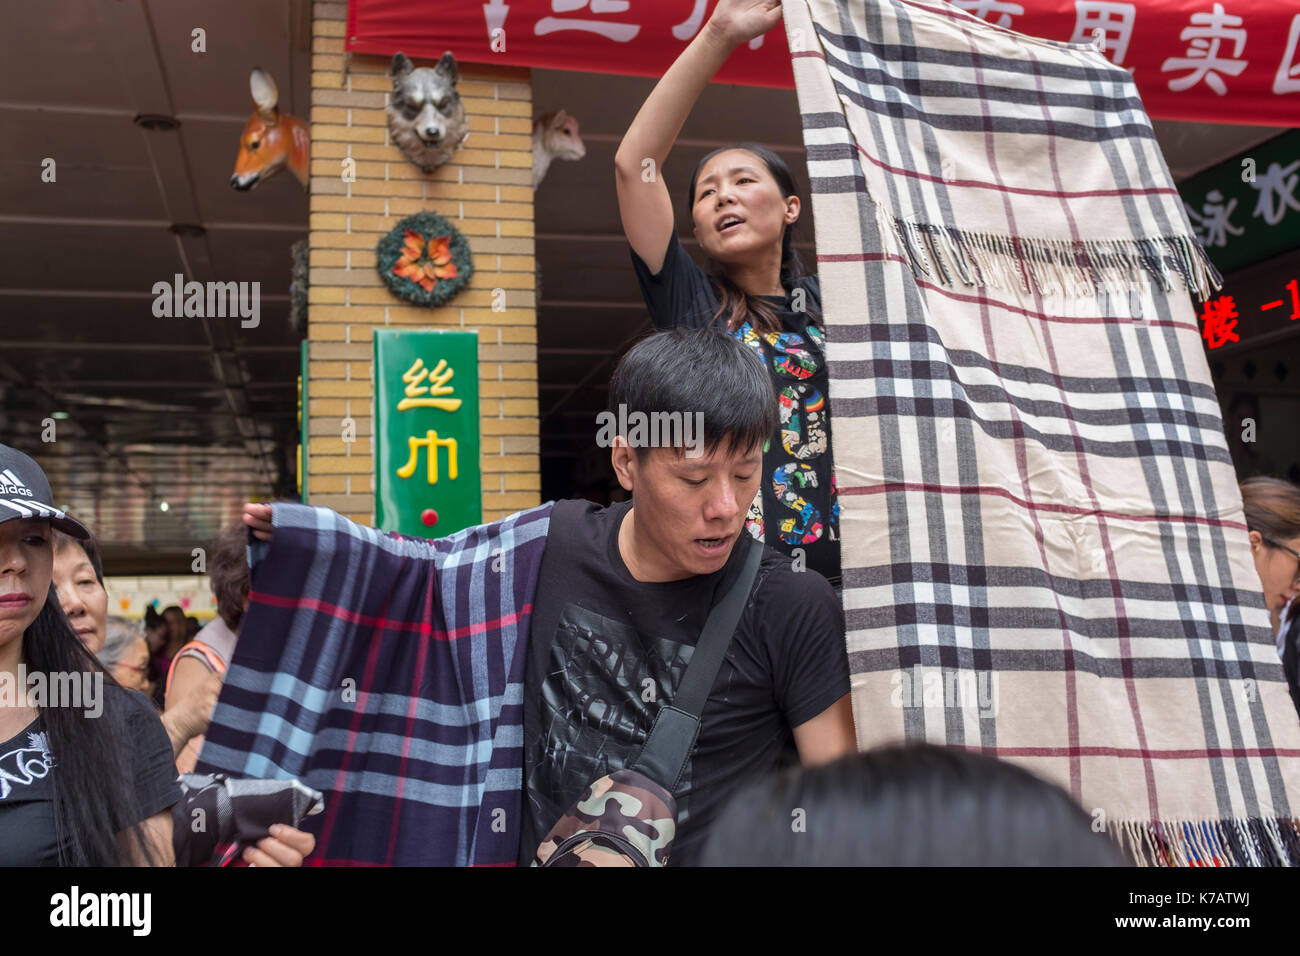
{"points": [[427, 480], [1247, 209]]}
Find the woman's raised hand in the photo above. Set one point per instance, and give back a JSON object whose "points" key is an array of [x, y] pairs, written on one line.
{"points": [[740, 21]]}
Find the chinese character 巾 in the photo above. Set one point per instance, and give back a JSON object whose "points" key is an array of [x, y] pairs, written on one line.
{"points": [[418, 395], [1114, 20], [1202, 59], [432, 442], [618, 32]]}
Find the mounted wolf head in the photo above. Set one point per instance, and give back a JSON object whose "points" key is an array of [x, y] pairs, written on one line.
{"points": [[425, 114]]}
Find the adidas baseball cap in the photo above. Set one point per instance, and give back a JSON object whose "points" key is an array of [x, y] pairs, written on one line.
{"points": [[25, 493]]}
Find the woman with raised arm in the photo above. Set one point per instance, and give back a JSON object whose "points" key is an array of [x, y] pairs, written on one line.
{"points": [[743, 208]]}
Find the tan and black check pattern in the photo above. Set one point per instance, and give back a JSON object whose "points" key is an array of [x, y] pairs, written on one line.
{"points": [[1044, 549]]}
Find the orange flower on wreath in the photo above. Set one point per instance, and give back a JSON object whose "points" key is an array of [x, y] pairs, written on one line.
{"points": [[425, 272]]}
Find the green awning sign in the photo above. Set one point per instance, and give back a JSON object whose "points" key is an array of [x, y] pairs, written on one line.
{"points": [[427, 480], [1247, 209]]}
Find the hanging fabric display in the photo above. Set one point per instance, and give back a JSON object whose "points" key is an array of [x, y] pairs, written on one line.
{"points": [[1044, 549]]}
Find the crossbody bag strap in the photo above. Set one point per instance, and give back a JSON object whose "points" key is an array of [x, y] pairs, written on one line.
{"points": [[672, 738]]}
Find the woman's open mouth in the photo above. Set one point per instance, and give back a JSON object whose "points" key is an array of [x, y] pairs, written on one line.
{"points": [[730, 225]]}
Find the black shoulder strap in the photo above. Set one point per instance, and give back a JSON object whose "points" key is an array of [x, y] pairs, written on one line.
{"points": [[672, 738]]}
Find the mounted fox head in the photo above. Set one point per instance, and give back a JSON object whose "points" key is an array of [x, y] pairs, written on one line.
{"points": [[270, 139]]}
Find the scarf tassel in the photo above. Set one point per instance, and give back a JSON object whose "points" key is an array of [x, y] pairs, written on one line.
{"points": [[1271, 841], [1032, 265]]}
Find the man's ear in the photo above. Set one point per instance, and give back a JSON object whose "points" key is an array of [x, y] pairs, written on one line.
{"points": [[623, 459]]}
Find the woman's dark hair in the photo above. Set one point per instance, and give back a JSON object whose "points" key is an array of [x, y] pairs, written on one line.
{"points": [[914, 805], [93, 790], [228, 573], [733, 301], [703, 371], [1272, 507]]}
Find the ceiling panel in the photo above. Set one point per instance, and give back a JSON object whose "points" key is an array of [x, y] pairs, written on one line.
{"points": [[89, 318], [55, 56], [90, 256], [239, 36], [254, 255]]}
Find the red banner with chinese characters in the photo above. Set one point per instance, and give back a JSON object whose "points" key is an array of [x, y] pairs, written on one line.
{"points": [[1234, 61]]}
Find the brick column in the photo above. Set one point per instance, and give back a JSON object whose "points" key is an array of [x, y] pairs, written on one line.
{"points": [[486, 192]]}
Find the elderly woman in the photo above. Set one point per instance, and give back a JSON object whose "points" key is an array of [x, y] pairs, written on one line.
{"points": [[125, 655], [79, 583]]}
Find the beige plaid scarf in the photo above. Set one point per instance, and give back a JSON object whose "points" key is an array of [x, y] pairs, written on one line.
{"points": [[1045, 555]]}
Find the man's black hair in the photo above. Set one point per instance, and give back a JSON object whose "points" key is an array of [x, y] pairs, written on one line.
{"points": [[907, 805], [699, 370]]}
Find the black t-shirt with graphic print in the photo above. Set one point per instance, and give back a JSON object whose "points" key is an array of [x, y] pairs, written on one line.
{"points": [[797, 506], [27, 768], [606, 651]]}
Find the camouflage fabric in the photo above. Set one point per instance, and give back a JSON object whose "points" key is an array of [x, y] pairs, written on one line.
{"points": [[621, 811]]}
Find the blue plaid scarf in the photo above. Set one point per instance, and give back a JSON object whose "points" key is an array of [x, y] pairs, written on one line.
{"points": [[387, 672]]}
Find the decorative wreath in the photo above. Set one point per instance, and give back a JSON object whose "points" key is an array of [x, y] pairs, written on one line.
{"points": [[424, 260]]}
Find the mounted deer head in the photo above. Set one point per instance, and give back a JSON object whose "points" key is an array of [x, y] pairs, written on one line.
{"points": [[270, 140]]}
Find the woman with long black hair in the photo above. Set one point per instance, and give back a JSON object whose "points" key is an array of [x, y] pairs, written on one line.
{"points": [[743, 206], [86, 777]]}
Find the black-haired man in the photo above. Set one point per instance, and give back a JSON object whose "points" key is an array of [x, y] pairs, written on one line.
{"points": [[609, 648]]}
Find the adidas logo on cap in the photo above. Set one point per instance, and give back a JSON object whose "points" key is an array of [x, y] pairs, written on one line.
{"points": [[11, 484]]}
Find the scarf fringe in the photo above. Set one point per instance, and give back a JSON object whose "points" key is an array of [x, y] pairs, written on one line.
{"points": [[1074, 269], [1268, 841]]}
